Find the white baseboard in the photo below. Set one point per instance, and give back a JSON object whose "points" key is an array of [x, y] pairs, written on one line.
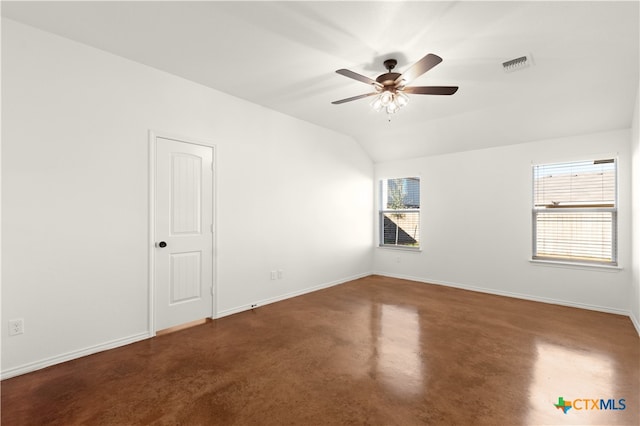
{"points": [[511, 294], [636, 322], [285, 296], [47, 362]]}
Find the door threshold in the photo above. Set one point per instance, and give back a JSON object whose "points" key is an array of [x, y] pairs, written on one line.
{"points": [[183, 326]]}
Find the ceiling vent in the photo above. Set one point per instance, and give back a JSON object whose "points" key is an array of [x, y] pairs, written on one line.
{"points": [[517, 63]]}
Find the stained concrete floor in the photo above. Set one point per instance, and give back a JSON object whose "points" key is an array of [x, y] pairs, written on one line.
{"points": [[376, 351]]}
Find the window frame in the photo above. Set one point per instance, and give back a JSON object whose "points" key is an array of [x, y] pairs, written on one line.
{"points": [[382, 211], [594, 208]]}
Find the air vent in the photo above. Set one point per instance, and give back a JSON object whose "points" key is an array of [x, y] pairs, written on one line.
{"points": [[517, 64]]}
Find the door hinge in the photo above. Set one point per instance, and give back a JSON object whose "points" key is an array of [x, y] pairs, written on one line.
{"points": [[211, 288]]}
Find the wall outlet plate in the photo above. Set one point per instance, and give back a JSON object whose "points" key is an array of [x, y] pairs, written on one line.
{"points": [[16, 327]]}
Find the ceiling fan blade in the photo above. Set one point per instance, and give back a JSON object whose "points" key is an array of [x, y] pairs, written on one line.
{"points": [[419, 68], [431, 90], [359, 77], [354, 98]]}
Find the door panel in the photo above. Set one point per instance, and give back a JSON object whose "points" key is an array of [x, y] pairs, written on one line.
{"points": [[185, 276], [184, 221], [186, 196]]}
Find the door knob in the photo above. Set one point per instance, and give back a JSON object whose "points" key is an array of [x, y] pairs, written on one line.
{"points": [[162, 244]]}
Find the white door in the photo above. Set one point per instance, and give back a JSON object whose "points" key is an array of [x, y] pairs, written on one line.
{"points": [[183, 233]]}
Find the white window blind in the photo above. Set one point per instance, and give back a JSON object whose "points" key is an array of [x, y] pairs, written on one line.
{"points": [[575, 211], [400, 212]]}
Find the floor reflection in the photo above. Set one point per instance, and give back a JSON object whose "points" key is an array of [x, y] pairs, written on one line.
{"points": [[399, 365], [572, 374]]}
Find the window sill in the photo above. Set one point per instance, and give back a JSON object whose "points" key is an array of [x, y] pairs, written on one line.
{"points": [[575, 265], [400, 248]]}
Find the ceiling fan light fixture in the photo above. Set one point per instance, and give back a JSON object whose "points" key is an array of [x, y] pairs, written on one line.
{"points": [[386, 98], [401, 99], [392, 108], [377, 104], [390, 101]]}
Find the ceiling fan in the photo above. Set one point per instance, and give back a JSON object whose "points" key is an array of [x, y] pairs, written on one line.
{"points": [[391, 87]]}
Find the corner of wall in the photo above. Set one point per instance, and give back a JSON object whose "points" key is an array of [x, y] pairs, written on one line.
{"points": [[635, 215]]}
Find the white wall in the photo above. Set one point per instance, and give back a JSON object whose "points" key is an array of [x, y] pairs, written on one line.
{"points": [[635, 187], [290, 196], [476, 230]]}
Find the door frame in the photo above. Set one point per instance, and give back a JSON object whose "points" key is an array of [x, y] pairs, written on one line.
{"points": [[153, 136]]}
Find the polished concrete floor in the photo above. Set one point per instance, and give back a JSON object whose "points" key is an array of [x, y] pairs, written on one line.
{"points": [[375, 351]]}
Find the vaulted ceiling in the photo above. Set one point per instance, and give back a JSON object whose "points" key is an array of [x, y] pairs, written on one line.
{"points": [[283, 55]]}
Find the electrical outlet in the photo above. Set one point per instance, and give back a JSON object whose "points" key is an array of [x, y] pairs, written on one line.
{"points": [[16, 327], [280, 274], [273, 275]]}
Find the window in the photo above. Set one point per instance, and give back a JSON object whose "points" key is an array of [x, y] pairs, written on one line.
{"points": [[575, 211], [400, 212]]}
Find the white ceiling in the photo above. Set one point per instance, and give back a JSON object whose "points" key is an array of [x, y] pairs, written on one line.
{"points": [[283, 55]]}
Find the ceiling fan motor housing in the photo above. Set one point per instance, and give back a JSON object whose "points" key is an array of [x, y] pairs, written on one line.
{"points": [[388, 80]]}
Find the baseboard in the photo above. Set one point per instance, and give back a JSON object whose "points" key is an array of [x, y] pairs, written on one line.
{"points": [[48, 362], [636, 322], [285, 296], [511, 294]]}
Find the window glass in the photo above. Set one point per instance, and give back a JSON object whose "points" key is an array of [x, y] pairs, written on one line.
{"points": [[575, 211], [400, 212]]}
